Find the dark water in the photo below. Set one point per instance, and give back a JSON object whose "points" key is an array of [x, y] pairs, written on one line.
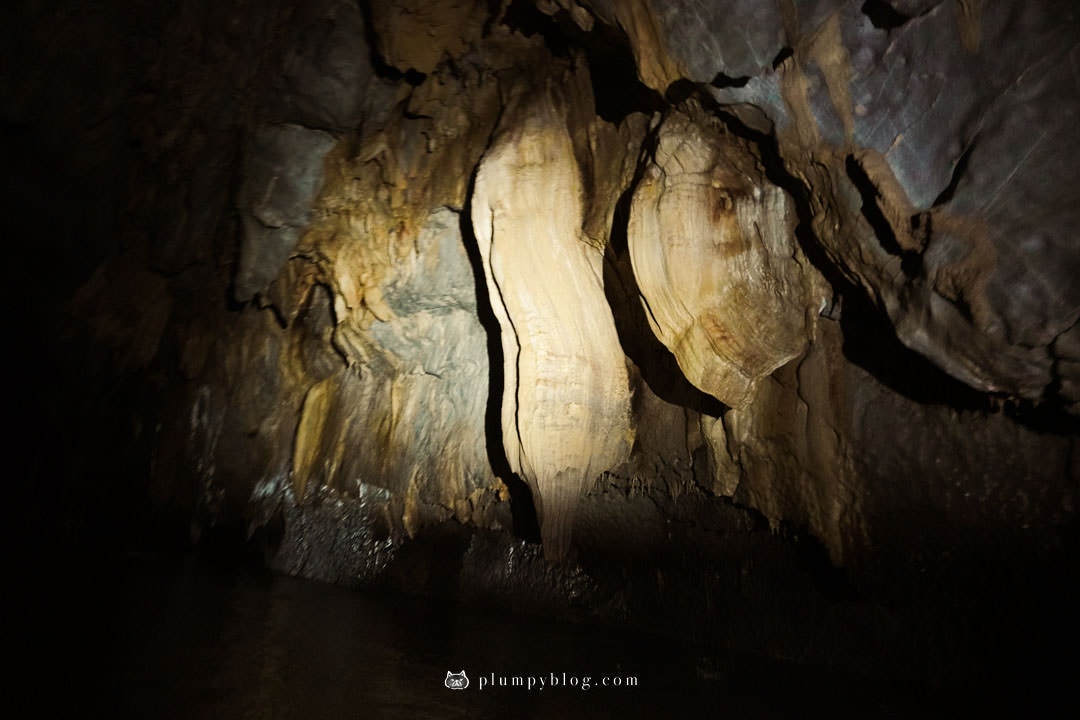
{"points": [[160, 636]]}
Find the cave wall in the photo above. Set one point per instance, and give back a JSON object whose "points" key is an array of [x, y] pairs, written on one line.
{"points": [[403, 289]]}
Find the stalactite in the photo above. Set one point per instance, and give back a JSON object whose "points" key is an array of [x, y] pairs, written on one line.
{"points": [[713, 249], [565, 404]]}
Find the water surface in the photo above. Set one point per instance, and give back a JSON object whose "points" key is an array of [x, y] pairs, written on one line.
{"points": [[172, 636]]}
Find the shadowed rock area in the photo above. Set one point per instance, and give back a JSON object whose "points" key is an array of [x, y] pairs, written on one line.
{"points": [[749, 325]]}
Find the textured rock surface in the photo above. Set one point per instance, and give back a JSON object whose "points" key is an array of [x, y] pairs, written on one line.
{"points": [[565, 398], [343, 281], [713, 248], [422, 386], [325, 79], [921, 121], [282, 174]]}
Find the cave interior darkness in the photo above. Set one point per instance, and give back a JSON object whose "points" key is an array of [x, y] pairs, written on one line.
{"points": [[267, 316]]}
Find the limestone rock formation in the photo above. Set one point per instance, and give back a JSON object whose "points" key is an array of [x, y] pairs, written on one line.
{"points": [[765, 313], [282, 176], [712, 242], [918, 118], [565, 400]]}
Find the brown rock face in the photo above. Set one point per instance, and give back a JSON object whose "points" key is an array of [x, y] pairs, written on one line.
{"points": [[565, 404], [382, 286], [713, 248]]}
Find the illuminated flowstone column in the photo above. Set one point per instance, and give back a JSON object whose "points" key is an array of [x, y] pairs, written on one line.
{"points": [[712, 246], [565, 402]]}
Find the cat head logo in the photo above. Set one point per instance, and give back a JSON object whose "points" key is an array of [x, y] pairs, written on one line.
{"points": [[456, 681]]}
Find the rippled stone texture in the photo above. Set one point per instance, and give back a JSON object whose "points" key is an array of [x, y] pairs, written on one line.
{"points": [[331, 383], [938, 141], [713, 250], [421, 386], [565, 403]]}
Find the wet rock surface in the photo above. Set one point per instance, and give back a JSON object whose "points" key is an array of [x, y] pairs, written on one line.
{"points": [[255, 276]]}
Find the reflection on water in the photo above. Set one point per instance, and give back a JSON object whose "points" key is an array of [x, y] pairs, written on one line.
{"points": [[161, 636]]}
